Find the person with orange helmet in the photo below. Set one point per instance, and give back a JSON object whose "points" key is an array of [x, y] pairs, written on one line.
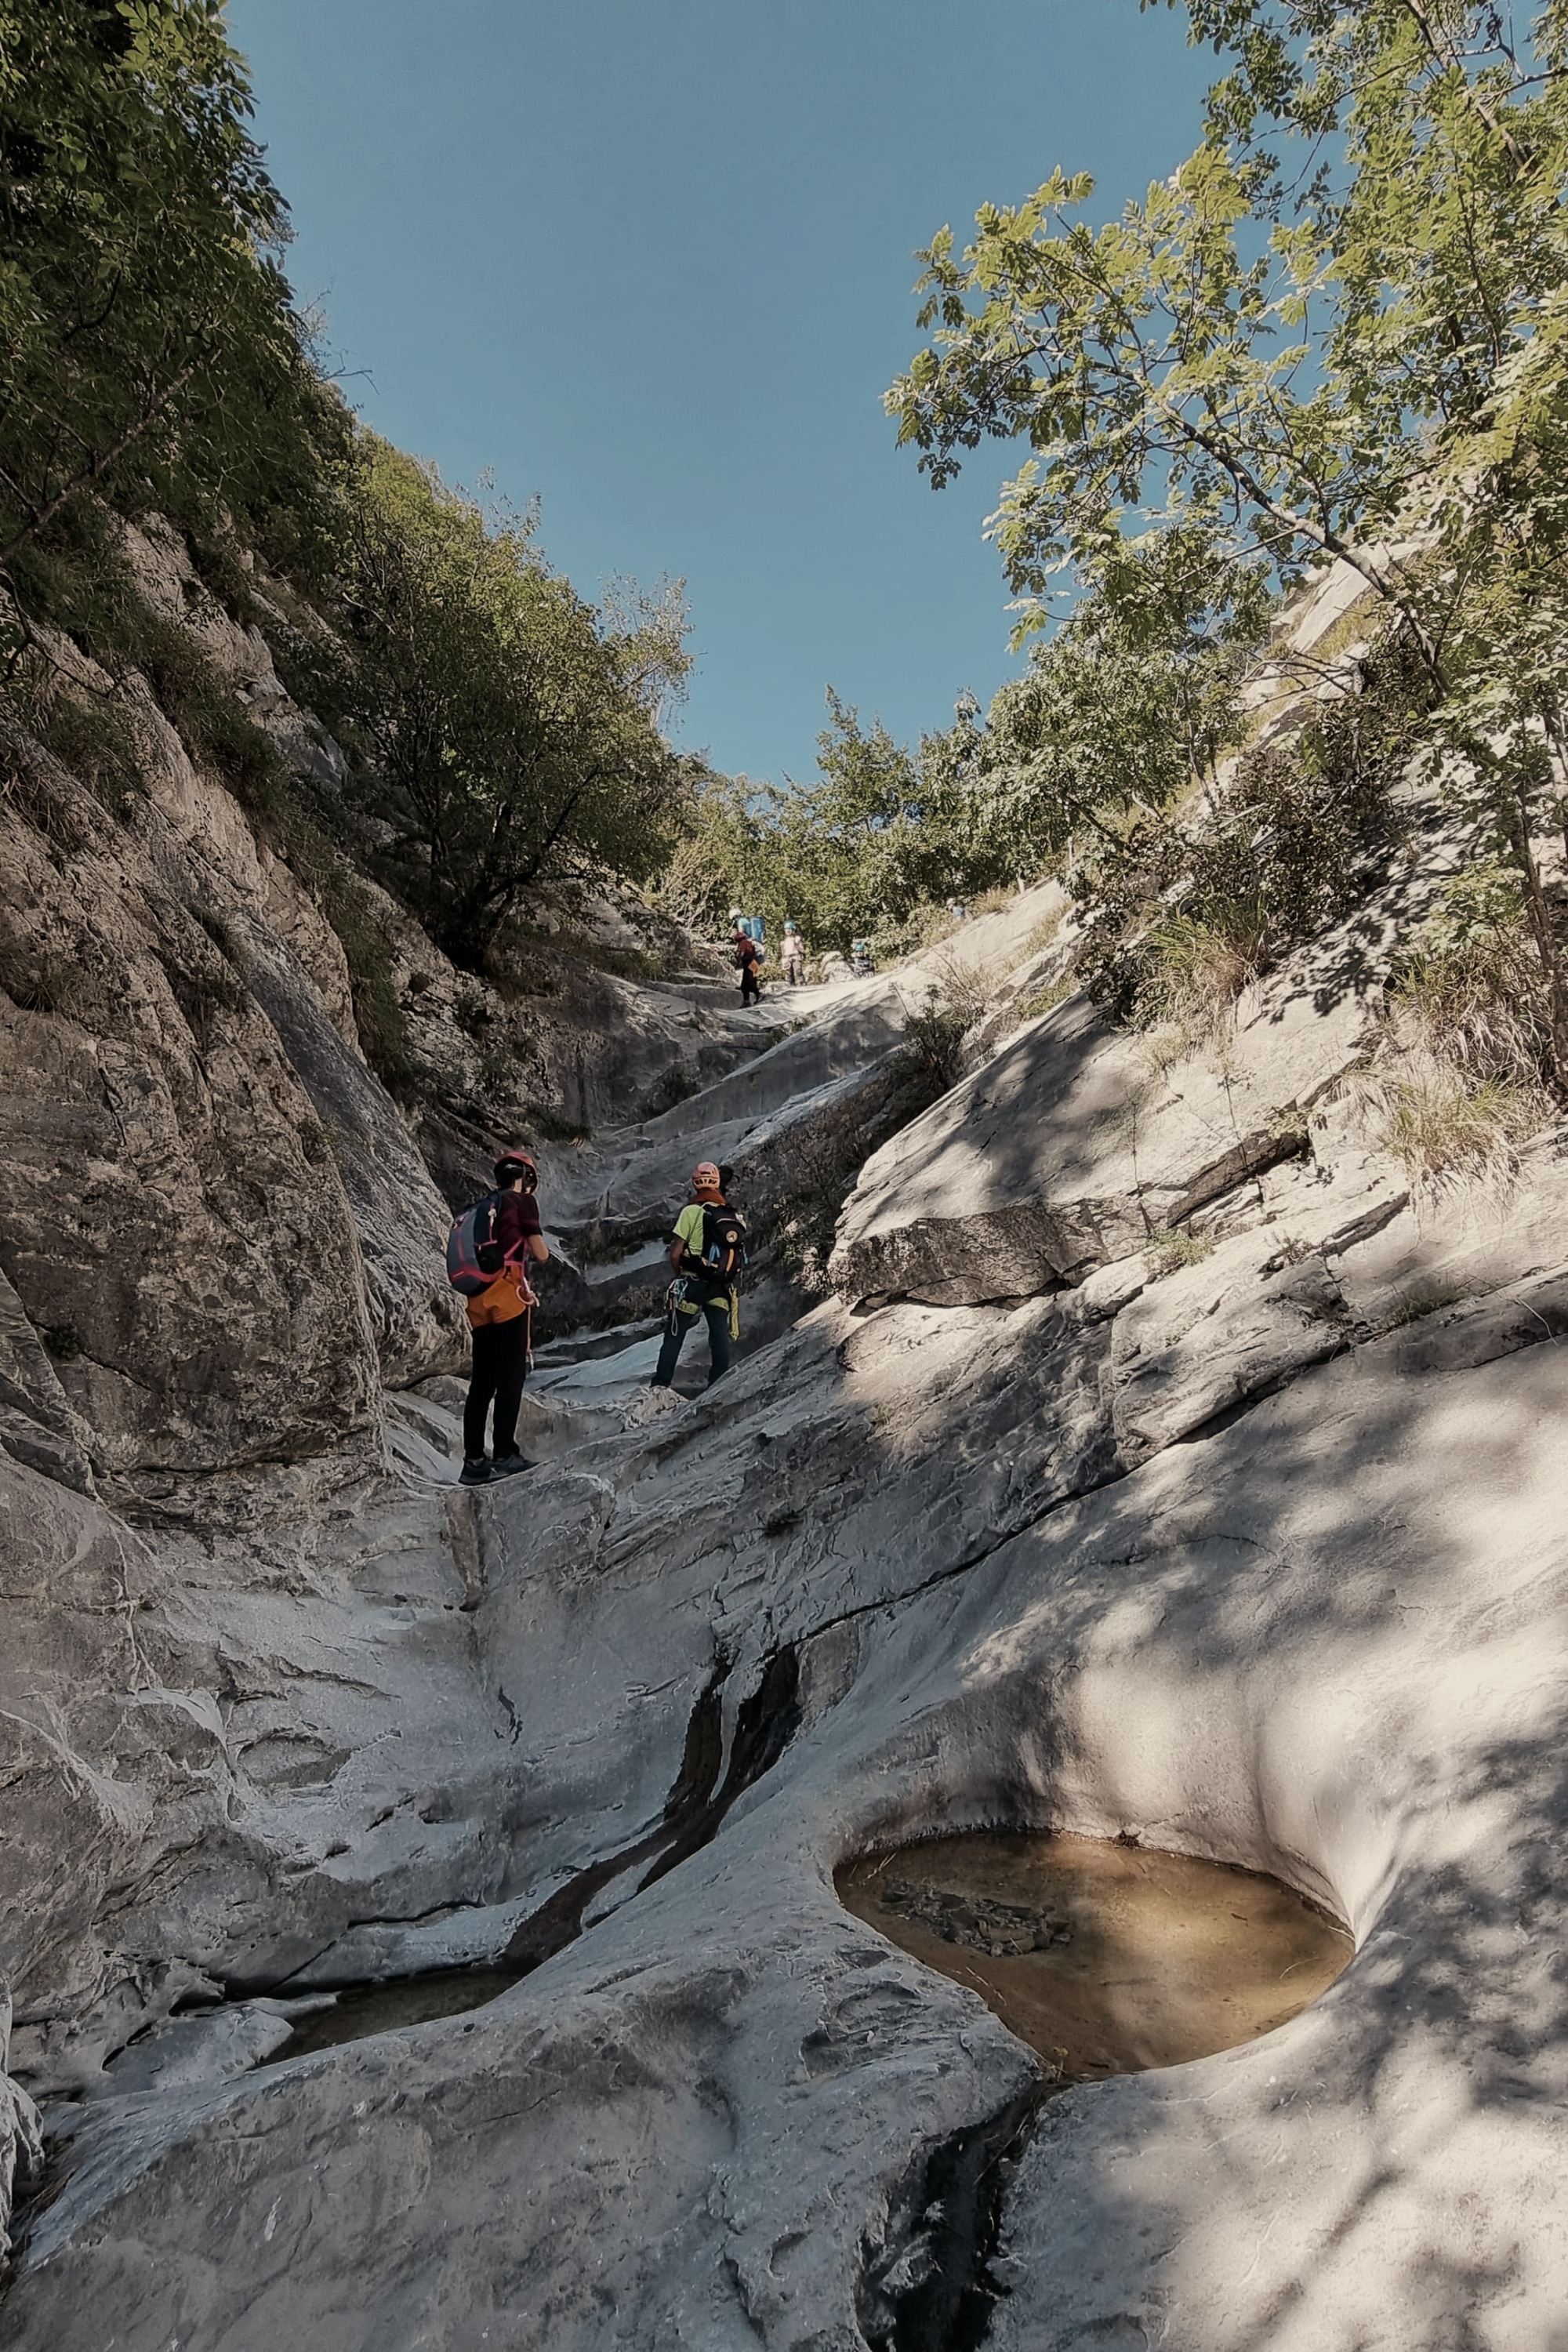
{"points": [[501, 1317], [707, 1254]]}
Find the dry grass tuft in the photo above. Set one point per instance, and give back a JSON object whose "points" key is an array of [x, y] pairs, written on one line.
{"points": [[1461, 1082], [1169, 1251], [1448, 1130]]}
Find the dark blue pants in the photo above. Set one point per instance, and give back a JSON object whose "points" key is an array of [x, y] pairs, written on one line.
{"points": [[676, 1326]]}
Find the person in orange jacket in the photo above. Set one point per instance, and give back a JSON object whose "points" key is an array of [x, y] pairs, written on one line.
{"points": [[500, 1320]]}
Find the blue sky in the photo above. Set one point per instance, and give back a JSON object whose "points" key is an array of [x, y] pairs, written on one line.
{"points": [[651, 260]]}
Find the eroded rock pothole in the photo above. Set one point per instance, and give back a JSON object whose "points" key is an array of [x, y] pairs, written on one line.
{"points": [[1104, 1958]]}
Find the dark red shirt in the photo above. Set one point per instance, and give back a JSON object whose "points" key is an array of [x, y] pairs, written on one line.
{"points": [[517, 1216]]}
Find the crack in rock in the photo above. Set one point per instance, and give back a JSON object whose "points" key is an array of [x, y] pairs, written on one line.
{"points": [[931, 2286]]}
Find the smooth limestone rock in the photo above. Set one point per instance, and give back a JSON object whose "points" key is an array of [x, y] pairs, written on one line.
{"points": [[171, 1208], [1212, 1334], [37, 1425], [1059, 1561], [401, 1220], [221, 1752], [1320, 1644], [1068, 1150]]}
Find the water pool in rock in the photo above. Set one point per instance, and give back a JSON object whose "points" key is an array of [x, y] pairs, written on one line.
{"points": [[1104, 1958], [362, 2009]]}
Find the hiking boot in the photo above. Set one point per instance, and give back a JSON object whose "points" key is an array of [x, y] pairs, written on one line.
{"points": [[475, 1472], [507, 1466]]}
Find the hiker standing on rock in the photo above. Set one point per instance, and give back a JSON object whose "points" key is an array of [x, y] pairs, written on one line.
{"points": [[708, 1256], [489, 1253], [749, 959], [794, 956]]}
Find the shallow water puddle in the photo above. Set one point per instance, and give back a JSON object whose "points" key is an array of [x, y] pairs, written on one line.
{"points": [[405, 2000], [1104, 1958]]}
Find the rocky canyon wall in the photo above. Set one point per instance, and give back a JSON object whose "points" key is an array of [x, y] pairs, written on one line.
{"points": [[1248, 1548]]}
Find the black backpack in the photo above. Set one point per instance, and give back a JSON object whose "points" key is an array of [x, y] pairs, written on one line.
{"points": [[724, 1243], [475, 1254]]}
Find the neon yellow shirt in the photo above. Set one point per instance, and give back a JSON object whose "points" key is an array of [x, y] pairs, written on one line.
{"points": [[689, 1227]]}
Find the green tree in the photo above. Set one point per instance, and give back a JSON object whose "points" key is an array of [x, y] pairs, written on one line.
{"points": [[1121, 713], [880, 832], [513, 731], [149, 353], [1293, 348]]}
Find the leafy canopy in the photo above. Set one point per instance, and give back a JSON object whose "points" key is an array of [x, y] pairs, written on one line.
{"points": [[1337, 330], [882, 832], [150, 353], [512, 730]]}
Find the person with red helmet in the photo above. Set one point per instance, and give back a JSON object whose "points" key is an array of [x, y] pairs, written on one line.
{"points": [[708, 1255], [500, 1318], [748, 959]]}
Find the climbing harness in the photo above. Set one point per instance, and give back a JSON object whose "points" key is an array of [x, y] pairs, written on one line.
{"points": [[692, 1295]]}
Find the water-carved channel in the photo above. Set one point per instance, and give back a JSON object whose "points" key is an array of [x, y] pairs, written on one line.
{"points": [[1104, 1958]]}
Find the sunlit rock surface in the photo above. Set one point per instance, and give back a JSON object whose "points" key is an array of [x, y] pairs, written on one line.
{"points": [[1250, 1550]]}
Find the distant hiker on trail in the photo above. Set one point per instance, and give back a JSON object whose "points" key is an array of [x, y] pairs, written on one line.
{"points": [[708, 1255], [488, 1251], [748, 959], [794, 956], [862, 962]]}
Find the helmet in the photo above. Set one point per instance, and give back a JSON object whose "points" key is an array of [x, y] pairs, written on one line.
{"points": [[515, 1163], [735, 913], [706, 1173]]}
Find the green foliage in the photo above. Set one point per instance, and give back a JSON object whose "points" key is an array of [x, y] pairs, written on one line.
{"points": [[1446, 1128], [510, 732], [1426, 1299], [679, 1083], [1462, 992], [471, 1014], [1040, 1001], [1339, 329], [378, 1015], [95, 738], [932, 1051], [79, 581], [1183, 910], [1466, 1067], [149, 351], [1122, 713], [869, 848]]}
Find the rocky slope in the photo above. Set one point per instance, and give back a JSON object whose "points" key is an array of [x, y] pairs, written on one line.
{"points": [[1250, 1549]]}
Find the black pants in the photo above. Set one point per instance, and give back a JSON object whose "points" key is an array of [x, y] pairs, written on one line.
{"points": [[500, 1368], [751, 987], [676, 1326]]}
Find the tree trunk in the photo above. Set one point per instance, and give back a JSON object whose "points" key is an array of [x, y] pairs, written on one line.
{"points": [[1540, 914]]}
